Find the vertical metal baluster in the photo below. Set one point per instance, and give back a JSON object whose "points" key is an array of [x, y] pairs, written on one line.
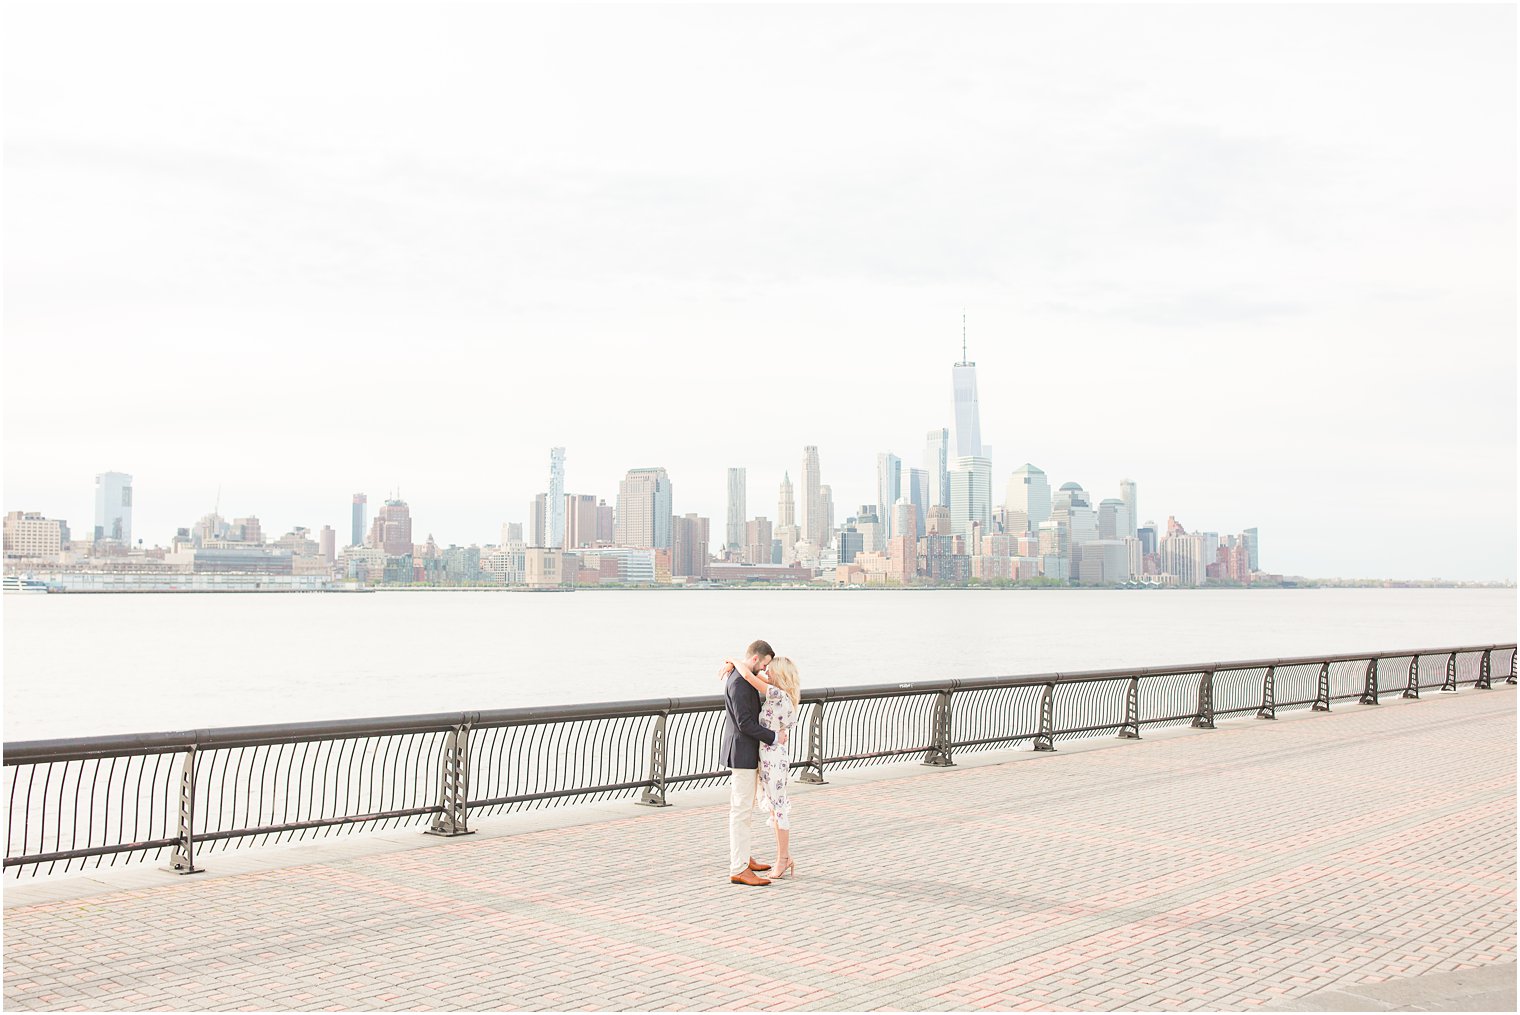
{"points": [[1044, 740], [654, 793], [1268, 708], [939, 754], [1369, 684], [1412, 686], [1485, 674], [1322, 695], [1204, 720], [1450, 683], [813, 773], [182, 859], [1131, 728], [452, 780]]}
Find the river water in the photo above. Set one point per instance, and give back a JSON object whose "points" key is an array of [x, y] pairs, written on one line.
{"points": [[79, 665]]}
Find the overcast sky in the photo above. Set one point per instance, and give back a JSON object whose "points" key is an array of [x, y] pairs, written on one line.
{"points": [[1260, 260]]}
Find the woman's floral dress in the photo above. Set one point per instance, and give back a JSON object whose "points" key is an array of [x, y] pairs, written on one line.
{"points": [[776, 713]]}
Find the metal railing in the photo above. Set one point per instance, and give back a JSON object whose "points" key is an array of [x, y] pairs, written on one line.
{"points": [[92, 800]]}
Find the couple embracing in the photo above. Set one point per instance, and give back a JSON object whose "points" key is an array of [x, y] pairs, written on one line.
{"points": [[760, 699]]}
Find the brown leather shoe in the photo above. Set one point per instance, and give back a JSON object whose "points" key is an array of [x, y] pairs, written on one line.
{"points": [[756, 865], [748, 878]]}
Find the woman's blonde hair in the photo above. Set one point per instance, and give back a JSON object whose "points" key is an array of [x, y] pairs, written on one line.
{"points": [[783, 673]]}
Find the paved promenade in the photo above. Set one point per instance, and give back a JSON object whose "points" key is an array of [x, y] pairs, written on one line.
{"points": [[1361, 859]]}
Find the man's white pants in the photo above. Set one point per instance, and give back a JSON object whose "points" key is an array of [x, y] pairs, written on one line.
{"points": [[741, 808]]}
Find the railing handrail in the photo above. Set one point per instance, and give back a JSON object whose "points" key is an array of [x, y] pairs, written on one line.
{"points": [[122, 744]]}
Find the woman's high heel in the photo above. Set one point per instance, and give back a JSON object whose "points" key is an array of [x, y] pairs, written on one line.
{"points": [[784, 868]]}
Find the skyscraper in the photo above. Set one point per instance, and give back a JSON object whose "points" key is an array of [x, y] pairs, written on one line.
{"points": [[1127, 494], [356, 533], [814, 524], [580, 520], [737, 489], [1252, 537], [918, 496], [1028, 497], [395, 528], [689, 554], [968, 417], [538, 520], [826, 498], [556, 533], [786, 505], [970, 495], [937, 466], [113, 507], [757, 541], [644, 510], [888, 488]]}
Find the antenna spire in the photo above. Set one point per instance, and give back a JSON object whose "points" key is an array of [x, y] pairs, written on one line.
{"points": [[963, 334]]}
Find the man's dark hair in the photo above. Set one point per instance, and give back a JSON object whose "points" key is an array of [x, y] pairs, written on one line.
{"points": [[761, 648]]}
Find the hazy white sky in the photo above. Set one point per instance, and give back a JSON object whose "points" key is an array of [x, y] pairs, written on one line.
{"points": [[1260, 260]]}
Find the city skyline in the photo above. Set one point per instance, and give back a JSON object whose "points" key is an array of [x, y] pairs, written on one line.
{"points": [[1282, 300]]}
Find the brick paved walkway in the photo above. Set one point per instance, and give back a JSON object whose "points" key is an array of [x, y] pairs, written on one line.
{"points": [[1235, 869]]}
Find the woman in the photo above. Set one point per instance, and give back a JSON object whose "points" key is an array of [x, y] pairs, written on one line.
{"points": [[781, 690]]}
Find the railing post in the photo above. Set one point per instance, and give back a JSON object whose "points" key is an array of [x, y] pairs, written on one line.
{"points": [[654, 793], [182, 859], [813, 773], [1485, 674], [940, 737], [1450, 683], [454, 785], [1045, 739], [1412, 688], [1268, 708], [1204, 720], [1322, 694], [1369, 684], [1131, 728]]}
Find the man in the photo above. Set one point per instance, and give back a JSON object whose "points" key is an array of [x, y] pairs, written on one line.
{"points": [[742, 736]]}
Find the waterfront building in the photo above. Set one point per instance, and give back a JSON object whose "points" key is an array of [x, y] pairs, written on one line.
{"points": [[459, 565], [580, 520], [30, 536], [738, 489], [872, 531], [759, 573], [826, 531], [245, 559], [556, 498], [394, 524], [689, 554], [298, 543], [506, 564], [356, 530], [1028, 497], [1100, 562], [606, 528], [1183, 555], [757, 541], [545, 567], [850, 543], [937, 467], [816, 522], [970, 494], [113, 507], [644, 509], [968, 417], [362, 563], [902, 554], [1058, 568], [1131, 502], [538, 520], [1113, 519], [942, 563], [888, 488], [918, 495]]}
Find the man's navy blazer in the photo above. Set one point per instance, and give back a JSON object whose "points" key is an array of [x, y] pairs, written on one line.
{"points": [[742, 732]]}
